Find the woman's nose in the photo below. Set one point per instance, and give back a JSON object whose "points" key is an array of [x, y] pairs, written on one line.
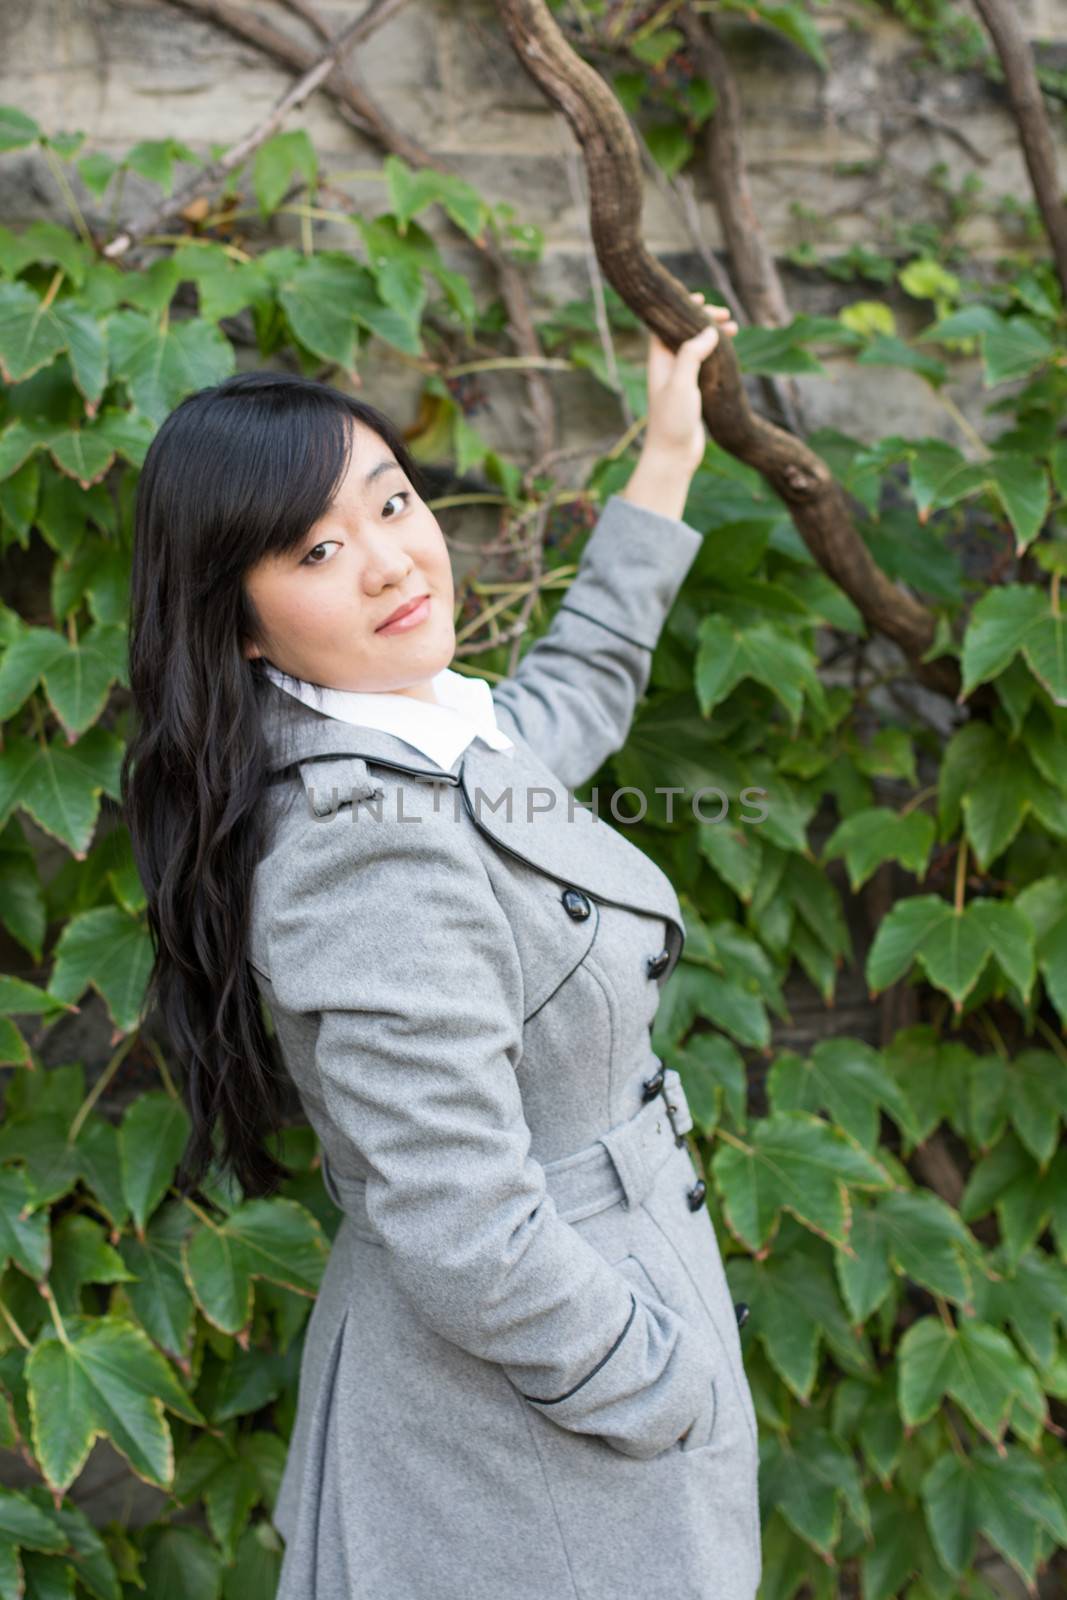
{"points": [[385, 567]]}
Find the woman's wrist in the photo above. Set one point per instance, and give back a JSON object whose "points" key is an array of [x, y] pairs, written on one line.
{"points": [[659, 482]]}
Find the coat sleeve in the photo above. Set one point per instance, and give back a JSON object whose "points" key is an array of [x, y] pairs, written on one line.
{"points": [[417, 998], [575, 691]]}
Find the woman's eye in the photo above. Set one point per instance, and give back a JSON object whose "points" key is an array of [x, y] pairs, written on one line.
{"points": [[307, 561], [401, 494]]}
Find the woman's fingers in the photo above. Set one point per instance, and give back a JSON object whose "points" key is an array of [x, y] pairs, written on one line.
{"points": [[720, 313]]}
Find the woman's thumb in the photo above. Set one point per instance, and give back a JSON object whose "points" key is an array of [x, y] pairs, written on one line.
{"points": [[701, 344]]}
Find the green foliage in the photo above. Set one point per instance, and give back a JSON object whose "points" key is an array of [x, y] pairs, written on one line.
{"points": [[906, 1347]]}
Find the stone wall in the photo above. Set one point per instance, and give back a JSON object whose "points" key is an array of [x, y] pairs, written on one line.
{"points": [[854, 149]]}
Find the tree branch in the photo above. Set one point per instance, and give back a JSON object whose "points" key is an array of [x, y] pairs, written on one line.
{"points": [[802, 479], [376, 13], [1020, 77], [359, 110]]}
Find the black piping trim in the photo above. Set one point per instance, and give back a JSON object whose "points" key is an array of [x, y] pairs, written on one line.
{"points": [[437, 776], [537, 1401], [627, 905], [563, 606]]}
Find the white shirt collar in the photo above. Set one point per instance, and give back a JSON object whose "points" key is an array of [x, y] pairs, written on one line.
{"points": [[442, 732]]}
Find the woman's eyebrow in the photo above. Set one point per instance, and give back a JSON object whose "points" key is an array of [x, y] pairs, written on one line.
{"points": [[377, 470]]}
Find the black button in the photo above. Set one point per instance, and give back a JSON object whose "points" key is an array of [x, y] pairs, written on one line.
{"points": [[742, 1312], [653, 1085], [696, 1194], [576, 904], [656, 964]]}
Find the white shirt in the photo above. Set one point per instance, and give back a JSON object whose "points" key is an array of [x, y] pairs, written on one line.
{"points": [[442, 732]]}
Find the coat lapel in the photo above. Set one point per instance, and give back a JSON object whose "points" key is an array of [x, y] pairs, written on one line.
{"points": [[548, 829], [516, 801]]}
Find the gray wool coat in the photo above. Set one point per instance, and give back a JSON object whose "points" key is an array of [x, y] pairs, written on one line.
{"points": [[524, 1309]]}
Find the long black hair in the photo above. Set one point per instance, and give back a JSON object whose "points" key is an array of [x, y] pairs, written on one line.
{"points": [[236, 472]]}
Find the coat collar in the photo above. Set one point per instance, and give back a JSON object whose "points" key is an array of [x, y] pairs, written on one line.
{"points": [[542, 825], [297, 734]]}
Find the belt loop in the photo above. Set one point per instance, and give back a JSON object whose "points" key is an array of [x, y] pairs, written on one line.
{"points": [[681, 1118], [631, 1172]]}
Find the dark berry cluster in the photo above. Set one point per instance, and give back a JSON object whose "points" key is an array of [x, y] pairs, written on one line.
{"points": [[568, 521], [466, 388]]}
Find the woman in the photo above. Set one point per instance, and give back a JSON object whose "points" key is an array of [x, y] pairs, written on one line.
{"points": [[522, 1376]]}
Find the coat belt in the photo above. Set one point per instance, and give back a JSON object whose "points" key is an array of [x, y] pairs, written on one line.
{"points": [[617, 1169]]}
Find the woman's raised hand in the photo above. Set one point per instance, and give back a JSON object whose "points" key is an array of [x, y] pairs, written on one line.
{"points": [[675, 428]]}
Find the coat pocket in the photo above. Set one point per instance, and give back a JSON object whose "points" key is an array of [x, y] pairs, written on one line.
{"points": [[701, 1432]]}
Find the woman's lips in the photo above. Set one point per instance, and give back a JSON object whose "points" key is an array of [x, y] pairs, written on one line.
{"points": [[410, 619]]}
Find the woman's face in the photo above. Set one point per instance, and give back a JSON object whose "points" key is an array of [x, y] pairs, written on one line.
{"points": [[379, 546]]}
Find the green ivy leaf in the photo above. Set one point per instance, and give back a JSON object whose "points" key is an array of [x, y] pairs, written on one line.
{"points": [[1004, 1495], [794, 23], [869, 837], [23, 663], [1031, 1295], [932, 465], [106, 1378], [97, 1153], [1023, 490], [734, 852], [24, 1234], [797, 1311], [1014, 347], [182, 1563], [924, 1240], [670, 146], [110, 951], [160, 1297], [412, 189], [78, 682], [161, 363], [275, 1239], [154, 160], [774, 350], [81, 1254], [152, 1138], [900, 936], [884, 351], [22, 909], [795, 1162], [995, 808], [976, 1365], [276, 160], [30, 337], [1009, 939], [1025, 1196], [25, 1524], [966, 323], [96, 171], [17, 130], [1044, 905], [807, 1485], [845, 1077], [19, 496], [999, 626], [712, 1071], [951, 947], [726, 655], [59, 785]]}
